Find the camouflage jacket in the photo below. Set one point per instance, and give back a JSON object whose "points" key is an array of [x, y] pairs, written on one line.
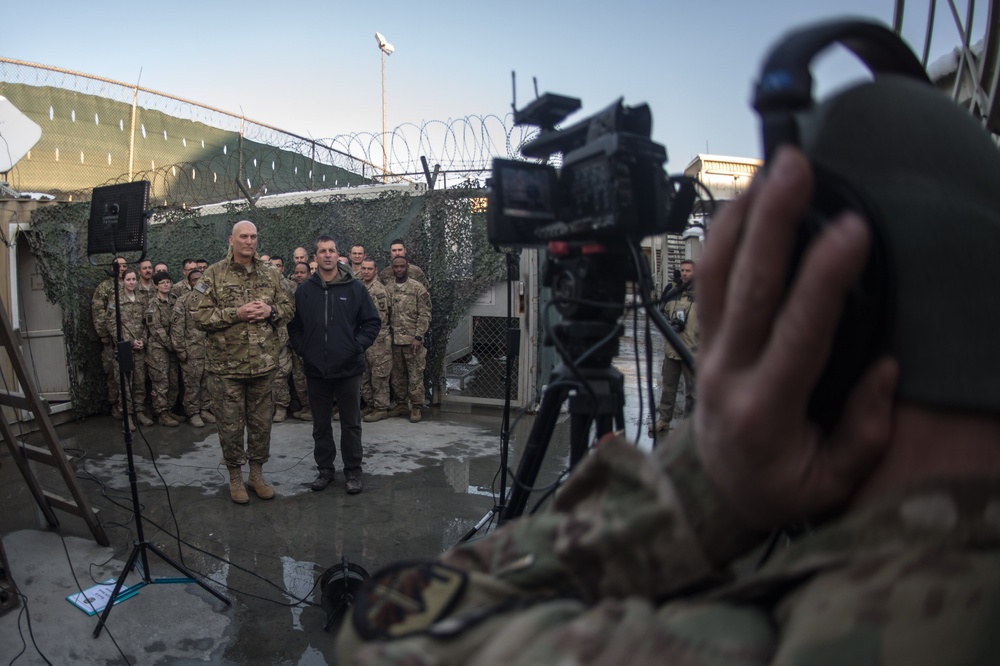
{"points": [[632, 565], [145, 292], [413, 272], [409, 311], [188, 339], [289, 288], [159, 315], [683, 308], [180, 288], [99, 307], [237, 348], [133, 317], [381, 299]]}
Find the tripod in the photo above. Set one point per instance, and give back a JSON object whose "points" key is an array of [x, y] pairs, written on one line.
{"points": [[596, 395], [140, 546], [589, 291]]}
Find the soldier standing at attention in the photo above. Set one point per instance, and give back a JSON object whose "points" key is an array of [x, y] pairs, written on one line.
{"points": [[189, 344], [241, 306], [410, 316], [397, 249], [282, 396], [300, 273], [357, 255], [132, 331], [182, 287], [160, 358], [104, 326], [378, 357], [145, 287]]}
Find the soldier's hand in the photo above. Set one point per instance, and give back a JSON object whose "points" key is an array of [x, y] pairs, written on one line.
{"points": [[182, 356], [761, 355], [253, 311], [415, 347]]}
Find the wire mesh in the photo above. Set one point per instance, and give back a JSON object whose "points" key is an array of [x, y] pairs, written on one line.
{"points": [[482, 371]]}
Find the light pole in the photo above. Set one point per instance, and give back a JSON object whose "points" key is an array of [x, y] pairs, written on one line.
{"points": [[386, 48]]}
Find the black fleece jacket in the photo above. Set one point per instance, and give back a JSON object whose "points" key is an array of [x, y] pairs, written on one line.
{"points": [[334, 323]]}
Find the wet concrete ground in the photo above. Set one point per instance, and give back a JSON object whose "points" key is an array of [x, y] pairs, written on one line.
{"points": [[425, 486]]}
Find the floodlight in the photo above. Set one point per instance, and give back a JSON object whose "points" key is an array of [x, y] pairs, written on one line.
{"points": [[383, 44]]}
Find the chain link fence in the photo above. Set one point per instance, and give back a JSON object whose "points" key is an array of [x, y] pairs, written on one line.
{"points": [[481, 372]]}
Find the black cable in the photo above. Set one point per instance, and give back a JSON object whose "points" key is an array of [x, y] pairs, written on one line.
{"points": [[79, 588], [644, 291]]}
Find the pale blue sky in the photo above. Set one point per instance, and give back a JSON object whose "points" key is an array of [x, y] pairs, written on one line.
{"points": [[313, 67]]}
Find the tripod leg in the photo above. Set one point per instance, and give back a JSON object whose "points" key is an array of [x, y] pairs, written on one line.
{"points": [[579, 437], [534, 450], [187, 572], [118, 586]]}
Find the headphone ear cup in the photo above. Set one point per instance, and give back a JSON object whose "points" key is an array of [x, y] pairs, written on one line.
{"points": [[862, 330]]}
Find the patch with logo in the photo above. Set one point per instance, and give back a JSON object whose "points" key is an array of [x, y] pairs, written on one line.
{"points": [[406, 598], [201, 287]]}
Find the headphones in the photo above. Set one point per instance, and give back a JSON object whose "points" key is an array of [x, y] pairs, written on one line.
{"points": [[783, 91]]}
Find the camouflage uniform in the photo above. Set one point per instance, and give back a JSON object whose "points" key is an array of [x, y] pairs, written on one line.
{"points": [[631, 567], [413, 272], [99, 313], [241, 356], [180, 288], [282, 397], [144, 292], [133, 328], [189, 345], [683, 307], [378, 357], [409, 316], [161, 361]]}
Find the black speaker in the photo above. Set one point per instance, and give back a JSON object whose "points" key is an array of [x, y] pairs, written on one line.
{"points": [[783, 97], [118, 219]]}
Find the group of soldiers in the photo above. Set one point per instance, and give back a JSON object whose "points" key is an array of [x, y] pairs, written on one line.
{"points": [[165, 343], [169, 349], [393, 380]]}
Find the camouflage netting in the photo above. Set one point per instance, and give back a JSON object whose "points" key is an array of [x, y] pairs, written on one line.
{"points": [[444, 231]]}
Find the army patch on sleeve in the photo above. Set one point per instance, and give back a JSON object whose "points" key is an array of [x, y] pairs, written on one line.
{"points": [[201, 287], [406, 598]]}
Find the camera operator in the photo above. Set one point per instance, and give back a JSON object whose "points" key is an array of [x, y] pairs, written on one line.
{"points": [[633, 563], [681, 312]]}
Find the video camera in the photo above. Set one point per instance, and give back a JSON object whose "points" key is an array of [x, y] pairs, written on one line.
{"points": [[611, 185]]}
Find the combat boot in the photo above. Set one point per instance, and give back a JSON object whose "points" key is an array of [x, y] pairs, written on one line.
{"points": [[257, 483], [196, 421], [376, 415], [279, 414], [304, 414], [167, 420], [237, 491], [207, 416], [365, 411], [399, 410], [144, 420], [415, 415]]}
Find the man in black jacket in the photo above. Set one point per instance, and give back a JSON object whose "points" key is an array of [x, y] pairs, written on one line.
{"points": [[335, 322]]}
